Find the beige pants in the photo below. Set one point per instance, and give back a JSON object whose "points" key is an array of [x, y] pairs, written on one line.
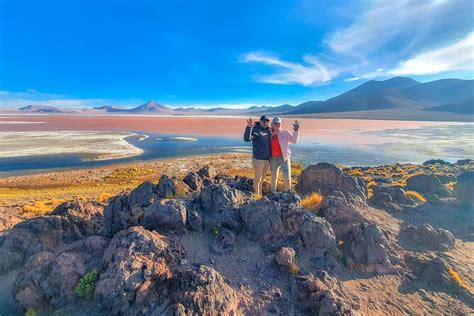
{"points": [[260, 167], [275, 164]]}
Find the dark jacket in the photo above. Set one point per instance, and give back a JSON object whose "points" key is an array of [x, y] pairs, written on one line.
{"points": [[261, 139]]}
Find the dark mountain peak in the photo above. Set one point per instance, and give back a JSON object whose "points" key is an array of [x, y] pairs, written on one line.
{"points": [[151, 106]]}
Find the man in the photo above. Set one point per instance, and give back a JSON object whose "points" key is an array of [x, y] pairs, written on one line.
{"points": [[281, 138], [260, 135]]}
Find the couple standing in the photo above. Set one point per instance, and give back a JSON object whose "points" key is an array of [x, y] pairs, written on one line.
{"points": [[270, 149]]}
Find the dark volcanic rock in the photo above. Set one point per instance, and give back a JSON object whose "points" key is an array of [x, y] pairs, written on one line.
{"points": [[207, 172], [321, 295], [49, 280], [327, 178], [194, 181], [280, 217], [430, 238], [166, 215], [218, 204], [223, 242], [203, 291], [341, 213], [465, 188], [435, 161], [169, 188], [366, 246], [143, 195], [137, 262], [390, 197], [46, 233], [87, 216], [425, 184]]}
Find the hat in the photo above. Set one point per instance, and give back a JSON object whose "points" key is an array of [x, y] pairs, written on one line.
{"points": [[264, 118], [276, 120]]}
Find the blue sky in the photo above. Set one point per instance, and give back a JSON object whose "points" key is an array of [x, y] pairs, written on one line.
{"points": [[223, 53]]}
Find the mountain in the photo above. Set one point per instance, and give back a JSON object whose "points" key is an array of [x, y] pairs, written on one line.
{"points": [[393, 94], [109, 108], [42, 109], [152, 107], [465, 106]]}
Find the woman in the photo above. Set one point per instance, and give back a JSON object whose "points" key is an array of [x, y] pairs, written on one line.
{"points": [[280, 158]]}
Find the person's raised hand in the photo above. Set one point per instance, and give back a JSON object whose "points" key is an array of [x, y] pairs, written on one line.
{"points": [[250, 122], [296, 125]]}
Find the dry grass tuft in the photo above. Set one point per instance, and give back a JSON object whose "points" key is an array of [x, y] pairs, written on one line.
{"points": [[370, 193], [415, 195], [312, 202], [104, 197], [457, 278], [371, 184]]}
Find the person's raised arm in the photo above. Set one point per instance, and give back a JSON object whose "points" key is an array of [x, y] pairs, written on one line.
{"points": [[248, 130], [295, 136]]}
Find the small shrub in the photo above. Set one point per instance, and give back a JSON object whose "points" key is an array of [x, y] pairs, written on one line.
{"points": [[415, 195], [294, 269], [30, 312], [370, 193], [216, 230], [37, 208], [86, 286], [312, 202], [371, 184]]}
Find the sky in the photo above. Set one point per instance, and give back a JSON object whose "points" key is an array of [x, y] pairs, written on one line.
{"points": [[231, 53]]}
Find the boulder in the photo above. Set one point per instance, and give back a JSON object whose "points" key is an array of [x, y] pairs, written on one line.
{"points": [[390, 197], [425, 184], [194, 181], [341, 213], [436, 161], [223, 242], [143, 195], [432, 270], [218, 203], [326, 178], [45, 233], [136, 263], [465, 188], [430, 238], [322, 295], [243, 184], [207, 172], [202, 291], [366, 246], [285, 259], [49, 280], [166, 215], [87, 216], [279, 218], [171, 187]]}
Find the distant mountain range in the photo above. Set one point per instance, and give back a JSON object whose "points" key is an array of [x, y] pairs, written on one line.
{"points": [[395, 95]]}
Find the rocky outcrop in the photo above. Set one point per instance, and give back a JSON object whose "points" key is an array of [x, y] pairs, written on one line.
{"points": [[194, 181], [165, 215], [49, 280], [341, 213], [390, 197], [465, 188], [87, 216], [326, 178], [46, 233], [169, 188], [136, 263], [429, 238], [128, 209], [202, 291], [207, 172], [285, 259], [219, 202], [320, 295], [425, 184], [280, 218], [366, 246]]}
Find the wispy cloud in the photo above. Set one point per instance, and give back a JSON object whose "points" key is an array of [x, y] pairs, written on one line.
{"points": [[457, 56], [13, 100], [400, 36], [312, 72]]}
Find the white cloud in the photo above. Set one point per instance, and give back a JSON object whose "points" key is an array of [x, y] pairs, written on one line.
{"points": [[312, 72], [457, 56]]}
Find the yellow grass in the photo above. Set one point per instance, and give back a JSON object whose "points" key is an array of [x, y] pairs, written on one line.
{"points": [[104, 197], [312, 202], [370, 192], [371, 184], [415, 195], [457, 278]]}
